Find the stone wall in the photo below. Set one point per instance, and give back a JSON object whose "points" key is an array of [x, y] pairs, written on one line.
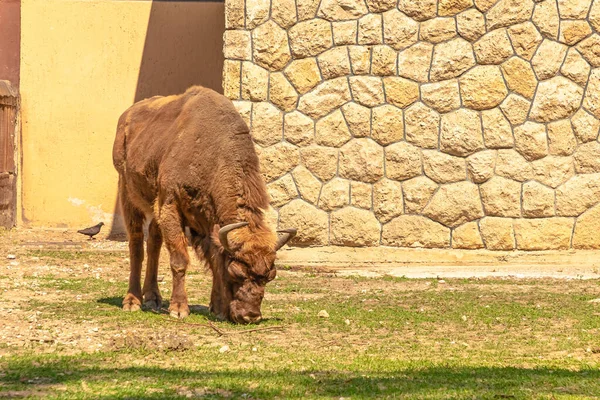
{"points": [[424, 123]]}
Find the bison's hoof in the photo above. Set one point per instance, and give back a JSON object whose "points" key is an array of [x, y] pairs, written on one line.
{"points": [[131, 307], [179, 310], [153, 304], [131, 303]]}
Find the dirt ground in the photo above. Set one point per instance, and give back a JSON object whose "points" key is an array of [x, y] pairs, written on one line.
{"points": [[22, 327], [39, 266], [60, 297]]}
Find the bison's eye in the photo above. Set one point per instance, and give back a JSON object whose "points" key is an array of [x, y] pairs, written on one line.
{"points": [[237, 271], [264, 279]]}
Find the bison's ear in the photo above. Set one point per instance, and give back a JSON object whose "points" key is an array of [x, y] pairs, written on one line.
{"points": [[236, 271]]}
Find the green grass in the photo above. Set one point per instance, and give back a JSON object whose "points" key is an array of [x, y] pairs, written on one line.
{"points": [[69, 255], [366, 377], [384, 338]]}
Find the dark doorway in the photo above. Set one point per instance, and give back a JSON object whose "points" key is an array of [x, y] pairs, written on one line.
{"points": [[8, 130], [10, 50]]}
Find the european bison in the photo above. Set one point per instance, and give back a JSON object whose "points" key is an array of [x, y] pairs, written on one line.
{"points": [[189, 160]]}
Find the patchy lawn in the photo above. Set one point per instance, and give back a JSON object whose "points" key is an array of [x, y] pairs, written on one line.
{"points": [[63, 335]]}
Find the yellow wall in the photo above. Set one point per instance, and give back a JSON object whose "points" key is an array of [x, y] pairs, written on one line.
{"points": [[83, 63]]}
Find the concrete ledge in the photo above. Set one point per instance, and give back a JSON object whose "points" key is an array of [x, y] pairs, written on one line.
{"points": [[424, 263]]}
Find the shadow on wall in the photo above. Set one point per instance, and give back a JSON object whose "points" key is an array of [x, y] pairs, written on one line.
{"points": [[184, 47]]}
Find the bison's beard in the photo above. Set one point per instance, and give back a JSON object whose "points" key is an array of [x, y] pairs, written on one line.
{"points": [[238, 303], [245, 307], [221, 296]]}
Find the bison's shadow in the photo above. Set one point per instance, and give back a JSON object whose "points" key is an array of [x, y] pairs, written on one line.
{"points": [[112, 301], [196, 309]]}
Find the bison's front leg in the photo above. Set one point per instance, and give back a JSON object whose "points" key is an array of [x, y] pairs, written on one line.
{"points": [[174, 237]]}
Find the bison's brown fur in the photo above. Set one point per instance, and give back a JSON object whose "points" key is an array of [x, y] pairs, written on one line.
{"points": [[189, 160]]}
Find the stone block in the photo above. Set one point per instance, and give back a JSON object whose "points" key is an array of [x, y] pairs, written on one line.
{"points": [[501, 197], [267, 124], [543, 233], [417, 193], [493, 48], [460, 133], [334, 63], [282, 191], [467, 236], [442, 96], [298, 129], [332, 130], [309, 38], [325, 98], [451, 59], [577, 195], [497, 233], [422, 126], [561, 138], [538, 200], [415, 231], [402, 161], [443, 168], [308, 186], [303, 74], [454, 204], [483, 87], [361, 195], [282, 93], [399, 30], [334, 194], [586, 230], [556, 98], [387, 200], [270, 47], [277, 160], [354, 227], [509, 12], [361, 160], [312, 223], [471, 24], [548, 58], [321, 161], [388, 124], [414, 62], [525, 38], [531, 140], [367, 90], [358, 118], [480, 166]]}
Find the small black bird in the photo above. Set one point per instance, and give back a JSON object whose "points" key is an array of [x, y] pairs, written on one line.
{"points": [[92, 231]]}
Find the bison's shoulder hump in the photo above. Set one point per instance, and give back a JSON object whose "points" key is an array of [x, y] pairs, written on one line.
{"points": [[216, 109]]}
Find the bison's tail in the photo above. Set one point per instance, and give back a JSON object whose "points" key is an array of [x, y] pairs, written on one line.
{"points": [[120, 146]]}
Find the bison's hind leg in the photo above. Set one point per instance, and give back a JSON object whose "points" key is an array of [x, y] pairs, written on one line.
{"points": [[134, 220], [152, 297], [172, 229]]}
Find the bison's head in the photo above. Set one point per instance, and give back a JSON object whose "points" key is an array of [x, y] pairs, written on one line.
{"points": [[246, 263]]}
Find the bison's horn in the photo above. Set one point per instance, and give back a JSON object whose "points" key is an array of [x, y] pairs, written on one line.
{"points": [[288, 234], [225, 230]]}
